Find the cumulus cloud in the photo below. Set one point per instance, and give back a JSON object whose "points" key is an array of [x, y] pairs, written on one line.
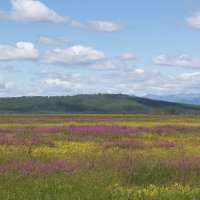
{"points": [[105, 26], [19, 51], [194, 21], [74, 55], [181, 61], [32, 11], [126, 56], [36, 11]]}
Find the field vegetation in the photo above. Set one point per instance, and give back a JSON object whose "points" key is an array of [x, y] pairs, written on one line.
{"points": [[99, 157]]}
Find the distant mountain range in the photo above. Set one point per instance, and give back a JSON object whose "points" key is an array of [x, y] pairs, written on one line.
{"points": [[96, 103], [190, 98]]}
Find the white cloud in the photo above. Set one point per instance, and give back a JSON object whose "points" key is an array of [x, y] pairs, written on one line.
{"points": [[76, 24], [110, 65], [33, 11], [194, 21], [181, 61], [37, 11], [46, 74], [74, 55], [195, 76], [57, 82], [141, 82], [47, 83], [51, 41], [139, 71], [105, 26], [21, 50], [106, 65], [136, 81], [126, 56], [59, 86], [48, 41]]}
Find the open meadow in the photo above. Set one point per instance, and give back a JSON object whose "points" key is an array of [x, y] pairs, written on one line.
{"points": [[99, 157]]}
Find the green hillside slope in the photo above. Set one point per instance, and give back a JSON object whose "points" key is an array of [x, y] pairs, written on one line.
{"points": [[99, 103]]}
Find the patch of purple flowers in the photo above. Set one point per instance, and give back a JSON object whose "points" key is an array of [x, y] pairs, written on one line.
{"points": [[32, 165], [26, 141], [102, 129]]}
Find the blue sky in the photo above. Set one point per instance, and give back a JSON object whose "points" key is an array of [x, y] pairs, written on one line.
{"points": [[55, 47]]}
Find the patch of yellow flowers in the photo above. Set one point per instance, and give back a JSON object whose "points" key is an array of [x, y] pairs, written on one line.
{"points": [[153, 192], [63, 148]]}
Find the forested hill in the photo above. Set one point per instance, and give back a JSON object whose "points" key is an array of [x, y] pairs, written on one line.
{"points": [[98, 103]]}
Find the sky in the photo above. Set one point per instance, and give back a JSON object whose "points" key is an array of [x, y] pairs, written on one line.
{"points": [[135, 47]]}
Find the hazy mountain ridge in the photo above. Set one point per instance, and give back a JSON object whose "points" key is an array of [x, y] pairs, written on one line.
{"points": [[190, 98]]}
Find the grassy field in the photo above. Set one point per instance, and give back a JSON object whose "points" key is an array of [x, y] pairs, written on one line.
{"points": [[99, 157]]}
